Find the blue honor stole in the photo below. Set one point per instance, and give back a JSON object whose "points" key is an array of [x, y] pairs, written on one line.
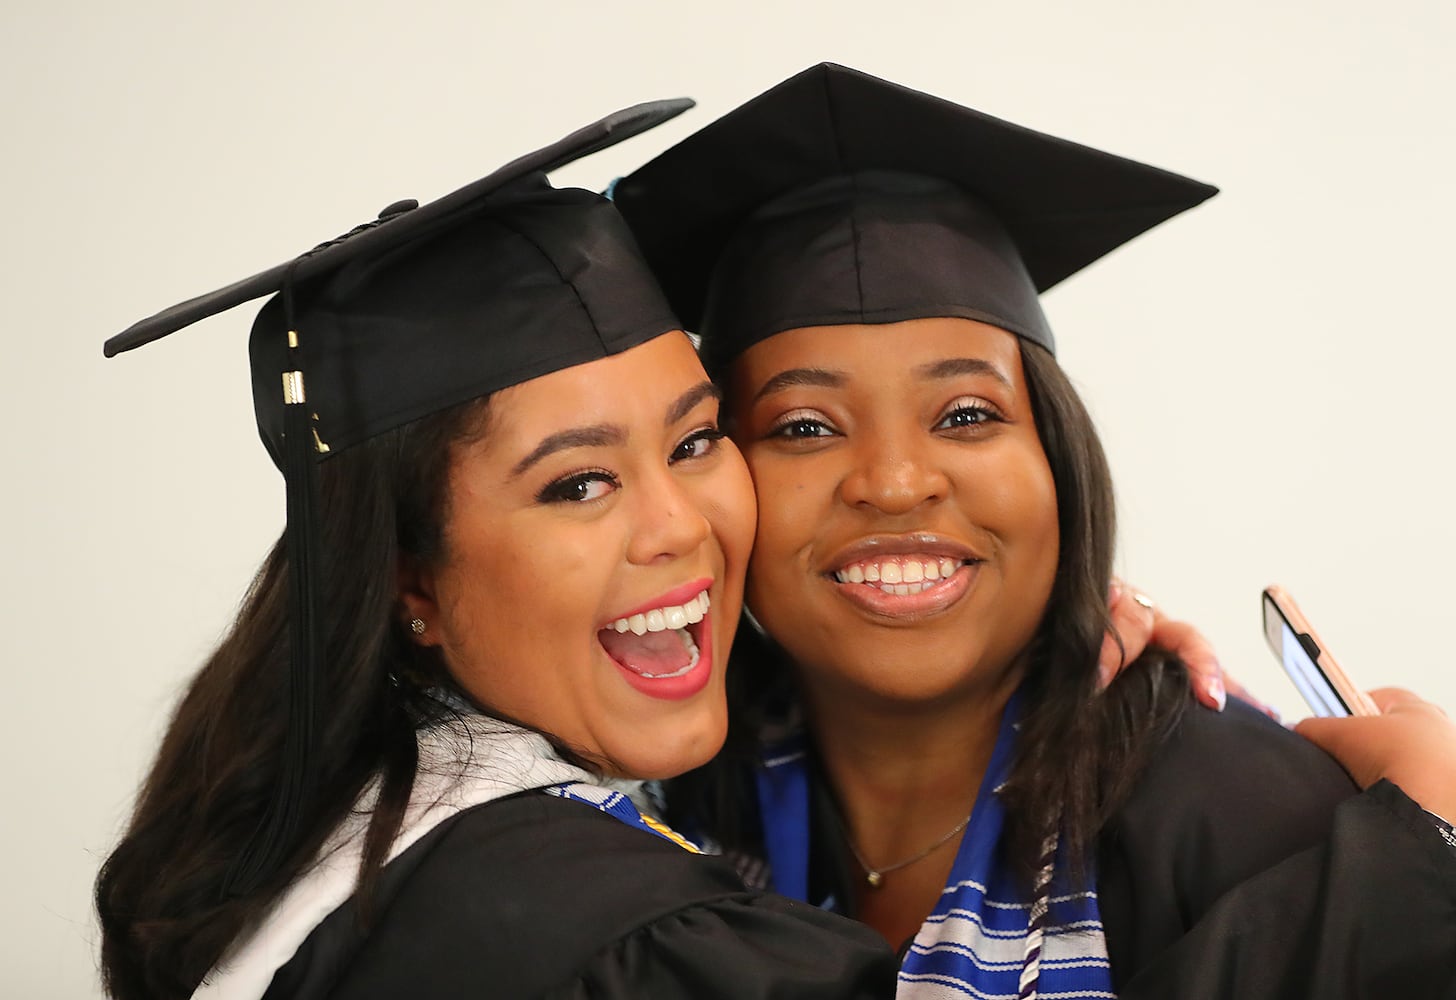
{"points": [[620, 807], [982, 934]]}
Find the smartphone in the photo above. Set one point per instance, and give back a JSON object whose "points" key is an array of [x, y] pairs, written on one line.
{"points": [[1309, 664]]}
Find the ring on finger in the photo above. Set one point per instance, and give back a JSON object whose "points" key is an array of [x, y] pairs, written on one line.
{"points": [[1143, 599]]}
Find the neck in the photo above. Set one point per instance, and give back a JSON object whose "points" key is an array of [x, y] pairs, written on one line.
{"points": [[905, 777]]}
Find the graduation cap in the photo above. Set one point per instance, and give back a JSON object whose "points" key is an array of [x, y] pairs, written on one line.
{"points": [[836, 198], [422, 308]]}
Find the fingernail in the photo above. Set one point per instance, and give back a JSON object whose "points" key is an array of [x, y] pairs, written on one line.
{"points": [[1218, 693], [1114, 591]]}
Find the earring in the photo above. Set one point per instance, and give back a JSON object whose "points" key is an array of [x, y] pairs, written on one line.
{"points": [[417, 626]]}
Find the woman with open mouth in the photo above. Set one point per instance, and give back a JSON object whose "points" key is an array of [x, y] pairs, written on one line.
{"points": [[919, 742], [504, 597]]}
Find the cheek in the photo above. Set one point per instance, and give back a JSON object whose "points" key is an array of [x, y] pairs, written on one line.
{"points": [[727, 500], [492, 591], [1035, 506], [791, 501]]}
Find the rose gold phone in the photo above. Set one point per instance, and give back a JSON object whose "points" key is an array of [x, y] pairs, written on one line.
{"points": [[1309, 664]]}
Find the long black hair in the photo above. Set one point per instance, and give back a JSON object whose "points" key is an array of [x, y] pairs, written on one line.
{"points": [[1078, 749], [165, 917]]}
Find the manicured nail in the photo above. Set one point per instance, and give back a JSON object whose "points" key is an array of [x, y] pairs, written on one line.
{"points": [[1218, 693]]}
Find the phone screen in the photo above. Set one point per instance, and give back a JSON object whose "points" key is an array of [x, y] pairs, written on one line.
{"points": [[1316, 689]]}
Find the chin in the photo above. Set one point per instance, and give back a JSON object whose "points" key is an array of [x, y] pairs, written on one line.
{"points": [[674, 755]]}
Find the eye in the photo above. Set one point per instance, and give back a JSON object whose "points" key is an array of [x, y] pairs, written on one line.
{"points": [[699, 444], [800, 425], [580, 487], [968, 412]]}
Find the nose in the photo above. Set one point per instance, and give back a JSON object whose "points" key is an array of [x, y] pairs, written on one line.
{"points": [[670, 522], [893, 474]]}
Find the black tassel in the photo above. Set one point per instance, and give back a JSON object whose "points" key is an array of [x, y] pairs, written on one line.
{"points": [[277, 834]]}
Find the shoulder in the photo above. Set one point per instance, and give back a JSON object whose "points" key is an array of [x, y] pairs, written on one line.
{"points": [[525, 895], [1221, 767], [1226, 796], [1368, 912]]}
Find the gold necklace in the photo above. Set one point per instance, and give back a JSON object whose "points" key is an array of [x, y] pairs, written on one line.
{"points": [[874, 876]]}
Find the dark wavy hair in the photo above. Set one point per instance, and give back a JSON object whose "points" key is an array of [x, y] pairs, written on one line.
{"points": [[165, 917], [1079, 749]]}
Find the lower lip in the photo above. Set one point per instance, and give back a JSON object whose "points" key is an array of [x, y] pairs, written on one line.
{"points": [[930, 601], [685, 685]]}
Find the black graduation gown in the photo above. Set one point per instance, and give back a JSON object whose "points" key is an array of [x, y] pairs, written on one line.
{"points": [[1245, 866], [1368, 913], [537, 896]]}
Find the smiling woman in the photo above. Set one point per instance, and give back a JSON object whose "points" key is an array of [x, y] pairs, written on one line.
{"points": [[505, 596], [920, 739], [620, 509]]}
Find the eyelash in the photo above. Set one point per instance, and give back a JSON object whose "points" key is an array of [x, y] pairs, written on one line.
{"points": [[568, 489], [979, 410], [798, 419], [983, 412]]}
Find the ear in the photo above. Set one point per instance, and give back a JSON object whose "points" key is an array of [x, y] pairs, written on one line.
{"points": [[417, 603]]}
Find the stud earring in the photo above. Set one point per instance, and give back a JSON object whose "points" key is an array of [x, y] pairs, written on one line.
{"points": [[417, 626]]}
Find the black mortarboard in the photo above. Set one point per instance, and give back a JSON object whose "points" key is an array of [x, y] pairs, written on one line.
{"points": [[836, 197], [425, 307]]}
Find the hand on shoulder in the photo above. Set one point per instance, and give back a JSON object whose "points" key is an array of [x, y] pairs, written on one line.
{"points": [[1411, 742]]}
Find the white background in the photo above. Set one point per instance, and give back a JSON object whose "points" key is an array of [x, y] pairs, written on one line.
{"points": [[1270, 372]]}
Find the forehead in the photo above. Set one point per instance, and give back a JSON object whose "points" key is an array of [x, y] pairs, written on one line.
{"points": [[639, 384], [915, 349]]}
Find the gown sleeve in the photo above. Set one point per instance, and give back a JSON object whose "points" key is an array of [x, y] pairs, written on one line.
{"points": [[1226, 797], [536, 896], [1370, 911]]}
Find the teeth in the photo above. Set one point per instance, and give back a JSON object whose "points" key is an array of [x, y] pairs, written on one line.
{"points": [[892, 573], [676, 616]]}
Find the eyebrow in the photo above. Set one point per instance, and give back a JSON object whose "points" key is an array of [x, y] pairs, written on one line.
{"points": [[602, 435], [830, 378], [684, 404], [596, 436], [825, 377], [954, 367]]}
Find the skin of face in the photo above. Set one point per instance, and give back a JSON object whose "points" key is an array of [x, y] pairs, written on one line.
{"points": [[897, 443], [594, 493]]}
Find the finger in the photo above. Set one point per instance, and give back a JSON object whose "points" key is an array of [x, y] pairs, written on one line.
{"points": [[1204, 671], [1109, 661], [1391, 698], [1132, 622]]}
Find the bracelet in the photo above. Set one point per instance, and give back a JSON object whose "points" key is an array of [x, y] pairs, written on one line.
{"points": [[1448, 832]]}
